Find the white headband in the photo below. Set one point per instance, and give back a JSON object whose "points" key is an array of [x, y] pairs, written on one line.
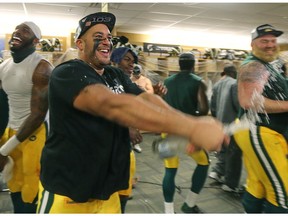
{"points": [[36, 30]]}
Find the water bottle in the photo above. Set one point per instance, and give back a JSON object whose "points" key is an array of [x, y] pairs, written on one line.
{"points": [[168, 146]]}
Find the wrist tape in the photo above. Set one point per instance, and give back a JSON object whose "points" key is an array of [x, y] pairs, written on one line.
{"points": [[9, 145]]}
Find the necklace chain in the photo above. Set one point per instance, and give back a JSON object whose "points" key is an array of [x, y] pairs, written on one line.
{"points": [[100, 72], [103, 77]]}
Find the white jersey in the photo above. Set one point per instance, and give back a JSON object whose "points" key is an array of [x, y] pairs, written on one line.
{"points": [[16, 81]]}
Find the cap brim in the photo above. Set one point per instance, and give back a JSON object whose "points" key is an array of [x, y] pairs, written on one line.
{"points": [[275, 33]]}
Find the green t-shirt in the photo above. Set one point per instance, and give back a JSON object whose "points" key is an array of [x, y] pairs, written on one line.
{"points": [[182, 92]]}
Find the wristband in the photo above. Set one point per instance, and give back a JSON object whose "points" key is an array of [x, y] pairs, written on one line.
{"points": [[9, 145]]}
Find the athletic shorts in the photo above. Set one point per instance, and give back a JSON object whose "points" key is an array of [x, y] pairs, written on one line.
{"points": [[128, 191], [57, 204], [200, 157], [265, 157], [26, 158]]}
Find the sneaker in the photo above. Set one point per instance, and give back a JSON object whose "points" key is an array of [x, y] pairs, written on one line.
{"points": [[233, 190], [216, 177], [186, 209], [137, 148]]}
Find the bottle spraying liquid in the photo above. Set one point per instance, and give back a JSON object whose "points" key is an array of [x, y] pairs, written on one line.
{"points": [[168, 145]]}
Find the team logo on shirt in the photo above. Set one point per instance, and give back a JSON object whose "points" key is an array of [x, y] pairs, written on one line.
{"points": [[32, 138]]}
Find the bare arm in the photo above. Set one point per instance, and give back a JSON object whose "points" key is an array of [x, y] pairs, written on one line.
{"points": [[136, 112], [275, 106], [155, 99], [39, 101], [251, 81], [149, 87], [203, 105], [250, 88]]}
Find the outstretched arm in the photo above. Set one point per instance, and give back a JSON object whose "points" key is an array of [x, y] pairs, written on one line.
{"points": [[132, 111]]}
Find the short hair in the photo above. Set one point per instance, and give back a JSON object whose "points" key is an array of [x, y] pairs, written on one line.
{"points": [[230, 70]]}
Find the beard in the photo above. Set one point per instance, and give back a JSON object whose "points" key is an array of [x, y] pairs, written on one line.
{"points": [[264, 56], [26, 44], [94, 56]]}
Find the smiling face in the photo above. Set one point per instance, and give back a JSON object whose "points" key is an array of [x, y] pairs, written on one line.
{"points": [[265, 47], [96, 45], [23, 37]]}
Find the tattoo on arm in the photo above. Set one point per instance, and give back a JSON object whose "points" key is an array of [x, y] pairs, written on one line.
{"points": [[39, 100], [252, 72]]}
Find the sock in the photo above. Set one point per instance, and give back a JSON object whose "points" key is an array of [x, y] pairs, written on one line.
{"points": [[169, 207], [191, 199], [168, 184], [199, 177], [123, 202]]}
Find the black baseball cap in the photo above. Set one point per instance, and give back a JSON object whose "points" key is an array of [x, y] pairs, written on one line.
{"points": [[90, 20], [187, 56], [265, 30]]}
